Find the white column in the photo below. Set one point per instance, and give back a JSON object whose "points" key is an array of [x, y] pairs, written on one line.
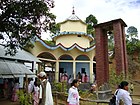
{"points": [[74, 69], [34, 67], [91, 71], [57, 71]]}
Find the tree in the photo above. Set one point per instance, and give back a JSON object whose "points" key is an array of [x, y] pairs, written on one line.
{"points": [[133, 48], [91, 21], [55, 28], [132, 41], [132, 32], [21, 20], [110, 41]]}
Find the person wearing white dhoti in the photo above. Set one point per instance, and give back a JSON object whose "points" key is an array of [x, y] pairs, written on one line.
{"points": [[45, 90]]}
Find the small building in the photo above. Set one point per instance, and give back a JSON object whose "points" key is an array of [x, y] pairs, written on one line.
{"points": [[72, 53], [18, 65]]}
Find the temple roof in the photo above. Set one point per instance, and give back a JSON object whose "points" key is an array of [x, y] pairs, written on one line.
{"points": [[73, 17]]}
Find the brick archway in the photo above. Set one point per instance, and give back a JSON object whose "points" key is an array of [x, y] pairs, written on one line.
{"points": [[102, 63]]}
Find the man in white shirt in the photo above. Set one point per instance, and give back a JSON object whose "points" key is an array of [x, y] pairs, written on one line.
{"points": [[45, 90]]}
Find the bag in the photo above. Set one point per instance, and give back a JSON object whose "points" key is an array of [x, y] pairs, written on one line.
{"points": [[112, 101]]}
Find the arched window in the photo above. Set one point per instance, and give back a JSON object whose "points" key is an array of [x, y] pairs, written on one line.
{"points": [[46, 55], [82, 57], [65, 57]]}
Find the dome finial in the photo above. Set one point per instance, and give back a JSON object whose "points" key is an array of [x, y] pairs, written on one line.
{"points": [[73, 12]]}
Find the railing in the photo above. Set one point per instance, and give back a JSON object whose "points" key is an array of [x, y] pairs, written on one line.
{"points": [[60, 98]]}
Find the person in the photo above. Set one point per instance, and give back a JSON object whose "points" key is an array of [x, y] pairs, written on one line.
{"points": [[79, 77], [131, 87], [83, 76], [15, 90], [45, 90], [30, 89], [122, 94], [5, 90], [10, 87], [73, 95], [65, 76], [70, 79], [30, 85], [86, 78], [36, 93], [62, 77], [93, 87]]}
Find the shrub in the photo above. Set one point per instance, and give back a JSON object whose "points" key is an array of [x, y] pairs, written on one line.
{"points": [[23, 98]]}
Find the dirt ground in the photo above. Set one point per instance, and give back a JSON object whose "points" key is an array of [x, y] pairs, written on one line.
{"points": [[4, 101]]}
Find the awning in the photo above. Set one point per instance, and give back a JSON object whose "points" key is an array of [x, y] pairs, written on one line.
{"points": [[10, 69]]}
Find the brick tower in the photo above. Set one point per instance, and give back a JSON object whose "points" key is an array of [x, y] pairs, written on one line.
{"points": [[102, 62]]}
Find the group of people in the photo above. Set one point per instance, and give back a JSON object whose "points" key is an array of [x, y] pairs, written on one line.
{"points": [[63, 77], [82, 77], [9, 88], [41, 94], [40, 90], [45, 96], [122, 94]]}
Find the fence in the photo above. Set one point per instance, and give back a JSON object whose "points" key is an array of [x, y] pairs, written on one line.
{"points": [[60, 98]]}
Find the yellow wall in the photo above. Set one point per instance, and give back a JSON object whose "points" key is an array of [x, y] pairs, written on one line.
{"points": [[75, 26], [39, 48], [69, 40]]}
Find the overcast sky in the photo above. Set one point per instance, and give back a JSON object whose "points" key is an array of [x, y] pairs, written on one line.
{"points": [[103, 10]]}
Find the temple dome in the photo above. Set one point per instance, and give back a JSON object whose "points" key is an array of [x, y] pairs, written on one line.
{"points": [[74, 29]]}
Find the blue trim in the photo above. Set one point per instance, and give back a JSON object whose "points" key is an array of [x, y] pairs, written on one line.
{"points": [[64, 48], [71, 32]]}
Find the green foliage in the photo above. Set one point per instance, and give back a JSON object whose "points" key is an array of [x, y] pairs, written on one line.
{"points": [[110, 40], [57, 86], [91, 21], [133, 46], [115, 79], [21, 20], [133, 65], [55, 28], [132, 32], [60, 86], [85, 94], [132, 41], [23, 98], [51, 43]]}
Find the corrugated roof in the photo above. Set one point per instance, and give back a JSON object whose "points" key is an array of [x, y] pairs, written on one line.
{"points": [[10, 69], [20, 55]]}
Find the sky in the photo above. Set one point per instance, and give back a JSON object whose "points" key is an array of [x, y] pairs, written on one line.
{"points": [[103, 10]]}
